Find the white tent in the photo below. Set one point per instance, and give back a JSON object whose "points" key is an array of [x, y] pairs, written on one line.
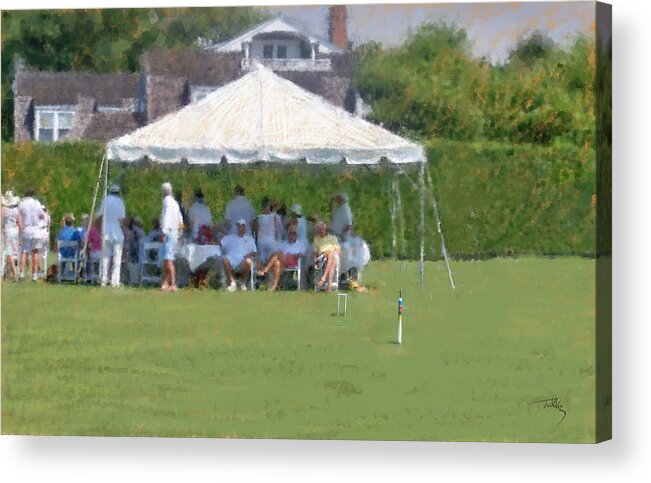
{"points": [[263, 117]]}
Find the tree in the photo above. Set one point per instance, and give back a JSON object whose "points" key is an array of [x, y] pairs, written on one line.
{"points": [[109, 40]]}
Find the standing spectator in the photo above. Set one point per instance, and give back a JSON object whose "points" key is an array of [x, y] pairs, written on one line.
{"points": [[296, 214], [342, 217], [268, 230], [95, 239], [12, 227], [199, 214], [32, 214], [113, 214], [239, 208], [171, 224]]}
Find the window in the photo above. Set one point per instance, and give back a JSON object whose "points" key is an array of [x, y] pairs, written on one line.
{"points": [[281, 53], [53, 124], [268, 51]]}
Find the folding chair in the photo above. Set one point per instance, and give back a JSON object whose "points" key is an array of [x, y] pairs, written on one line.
{"points": [[64, 260], [291, 272], [92, 269], [149, 263]]}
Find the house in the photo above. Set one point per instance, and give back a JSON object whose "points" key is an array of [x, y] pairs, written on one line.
{"points": [[56, 106]]}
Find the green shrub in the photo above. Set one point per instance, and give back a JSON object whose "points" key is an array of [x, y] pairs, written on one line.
{"points": [[493, 198]]}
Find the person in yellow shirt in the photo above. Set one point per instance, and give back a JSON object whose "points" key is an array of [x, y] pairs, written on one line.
{"points": [[326, 254]]}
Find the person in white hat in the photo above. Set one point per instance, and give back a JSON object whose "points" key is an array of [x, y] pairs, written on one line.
{"points": [[12, 227], [32, 214], [342, 217], [171, 226], [239, 250], [296, 213], [112, 213]]}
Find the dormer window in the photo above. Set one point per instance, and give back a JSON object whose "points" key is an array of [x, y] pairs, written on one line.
{"points": [[268, 51], [53, 123]]}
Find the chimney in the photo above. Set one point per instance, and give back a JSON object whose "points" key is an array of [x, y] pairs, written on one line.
{"points": [[337, 26]]}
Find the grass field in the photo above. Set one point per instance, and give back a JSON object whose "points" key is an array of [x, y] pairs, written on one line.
{"points": [[473, 365]]}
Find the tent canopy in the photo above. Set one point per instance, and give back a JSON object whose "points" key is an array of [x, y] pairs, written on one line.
{"points": [[263, 117]]}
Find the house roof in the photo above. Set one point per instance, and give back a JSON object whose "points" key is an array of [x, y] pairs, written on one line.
{"points": [[274, 25], [64, 88], [107, 125], [263, 117]]}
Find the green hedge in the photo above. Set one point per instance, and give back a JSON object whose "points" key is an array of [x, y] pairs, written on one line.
{"points": [[493, 198]]}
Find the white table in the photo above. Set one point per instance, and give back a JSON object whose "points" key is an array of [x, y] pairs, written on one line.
{"points": [[197, 255]]}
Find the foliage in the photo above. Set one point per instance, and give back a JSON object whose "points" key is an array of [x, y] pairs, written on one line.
{"points": [[494, 198], [431, 87], [106, 40]]}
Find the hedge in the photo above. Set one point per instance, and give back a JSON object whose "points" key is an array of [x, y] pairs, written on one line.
{"points": [[493, 198]]}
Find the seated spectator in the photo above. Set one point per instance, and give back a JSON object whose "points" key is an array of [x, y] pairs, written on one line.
{"points": [[239, 250], [288, 256], [68, 233], [326, 254], [156, 232], [199, 214]]}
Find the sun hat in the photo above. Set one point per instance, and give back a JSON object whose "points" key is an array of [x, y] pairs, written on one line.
{"points": [[166, 186], [241, 222], [115, 189], [296, 208]]}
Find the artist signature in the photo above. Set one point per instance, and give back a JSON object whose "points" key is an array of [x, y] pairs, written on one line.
{"points": [[553, 402]]}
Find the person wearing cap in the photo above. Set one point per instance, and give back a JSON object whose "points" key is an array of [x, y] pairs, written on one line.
{"points": [[68, 233], [33, 215], [239, 250], [12, 227], [199, 214], [171, 226], [113, 213], [239, 208]]}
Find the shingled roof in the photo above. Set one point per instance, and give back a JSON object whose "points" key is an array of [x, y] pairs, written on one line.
{"points": [[64, 88]]}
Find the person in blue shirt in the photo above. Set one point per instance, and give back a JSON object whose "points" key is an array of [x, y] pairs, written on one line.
{"points": [[68, 233]]}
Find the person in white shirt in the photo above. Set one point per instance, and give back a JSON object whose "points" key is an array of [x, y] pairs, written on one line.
{"points": [[171, 226], [199, 214], [268, 229], [112, 213], [288, 255], [12, 227], [239, 251], [296, 213], [239, 207], [32, 215], [342, 217]]}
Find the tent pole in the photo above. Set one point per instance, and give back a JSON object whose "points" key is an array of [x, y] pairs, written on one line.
{"points": [[438, 227], [421, 186], [392, 192], [84, 249]]}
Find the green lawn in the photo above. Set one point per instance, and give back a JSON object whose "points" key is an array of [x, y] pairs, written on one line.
{"points": [[87, 361]]}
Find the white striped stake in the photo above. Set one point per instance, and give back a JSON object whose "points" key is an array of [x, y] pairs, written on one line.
{"points": [[400, 318]]}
